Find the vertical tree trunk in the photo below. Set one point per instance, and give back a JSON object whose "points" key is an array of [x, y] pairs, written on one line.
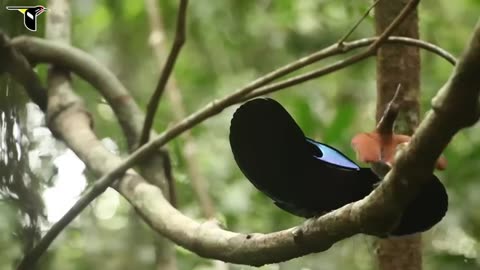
{"points": [[398, 65]]}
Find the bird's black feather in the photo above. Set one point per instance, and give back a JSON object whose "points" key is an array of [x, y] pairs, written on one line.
{"points": [[307, 178]]}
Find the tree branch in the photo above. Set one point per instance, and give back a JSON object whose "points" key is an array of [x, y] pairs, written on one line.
{"points": [[167, 70], [129, 115], [21, 70], [346, 47], [347, 35]]}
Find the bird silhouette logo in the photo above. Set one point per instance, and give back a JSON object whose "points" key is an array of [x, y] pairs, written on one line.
{"points": [[30, 14]]}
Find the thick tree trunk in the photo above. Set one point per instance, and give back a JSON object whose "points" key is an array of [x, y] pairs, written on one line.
{"points": [[398, 65]]}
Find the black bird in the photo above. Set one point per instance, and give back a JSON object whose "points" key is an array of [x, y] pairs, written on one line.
{"points": [[307, 178]]}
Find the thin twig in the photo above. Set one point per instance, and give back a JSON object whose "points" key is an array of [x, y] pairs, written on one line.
{"points": [[174, 96], [347, 35], [166, 72], [386, 123], [213, 108], [348, 46]]}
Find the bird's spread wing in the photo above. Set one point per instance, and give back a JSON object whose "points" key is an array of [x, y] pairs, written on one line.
{"points": [[304, 177], [268, 146], [308, 178]]}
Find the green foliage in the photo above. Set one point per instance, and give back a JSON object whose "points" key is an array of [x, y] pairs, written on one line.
{"points": [[230, 43]]}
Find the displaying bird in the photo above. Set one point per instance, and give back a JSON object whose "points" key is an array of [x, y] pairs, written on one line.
{"points": [[307, 178]]}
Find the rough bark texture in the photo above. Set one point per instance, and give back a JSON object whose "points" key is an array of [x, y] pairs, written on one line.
{"points": [[398, 64]]}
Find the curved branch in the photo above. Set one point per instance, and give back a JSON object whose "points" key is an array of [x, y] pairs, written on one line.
{"points": [[20, 69], [86, 66]]}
